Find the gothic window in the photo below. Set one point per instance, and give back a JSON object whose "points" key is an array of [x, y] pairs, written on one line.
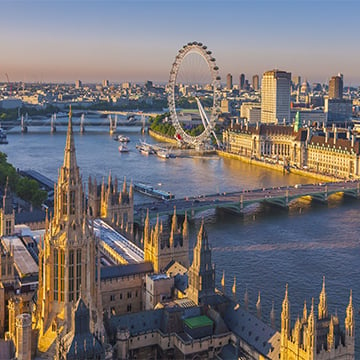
{"points": [[56, 275], [8, 227], [62, 274], [64, 203], [78, 272], [112, 297], [128, 308], [72, 202], [3, 269], [71, 275], [125, 218]]}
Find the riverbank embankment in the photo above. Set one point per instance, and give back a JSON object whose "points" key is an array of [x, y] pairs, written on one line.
{"points": [[277, 167]]}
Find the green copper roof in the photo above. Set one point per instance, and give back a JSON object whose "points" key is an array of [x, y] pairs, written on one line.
{"points": [[198, 321]]}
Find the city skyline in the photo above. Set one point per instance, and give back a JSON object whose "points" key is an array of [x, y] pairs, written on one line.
{"points": [[138, 41]]}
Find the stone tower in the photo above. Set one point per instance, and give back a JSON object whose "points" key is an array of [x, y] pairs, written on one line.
{"points": [[202, 271], [7, 213], [23, 337], [114, 205], [162, 247], [67, 254]]}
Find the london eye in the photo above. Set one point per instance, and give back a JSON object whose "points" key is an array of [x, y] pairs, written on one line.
{"points": [[194, 84]]}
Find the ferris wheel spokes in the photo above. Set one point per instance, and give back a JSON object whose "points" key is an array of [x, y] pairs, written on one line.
{"points": [[209, 123]]}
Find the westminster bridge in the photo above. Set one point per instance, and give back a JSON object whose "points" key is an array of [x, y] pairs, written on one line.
{"points": [[236, 202]]}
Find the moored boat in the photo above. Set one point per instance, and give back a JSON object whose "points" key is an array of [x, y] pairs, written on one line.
{"points": [[123, 149], [122, 138]]}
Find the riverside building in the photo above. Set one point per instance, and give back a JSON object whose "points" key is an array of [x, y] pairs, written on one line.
{"points": [[275, 97]]}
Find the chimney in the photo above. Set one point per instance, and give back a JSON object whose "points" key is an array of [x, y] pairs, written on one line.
{"points": [[335, 134], [353, 140], [326, 135], [348, 133]]}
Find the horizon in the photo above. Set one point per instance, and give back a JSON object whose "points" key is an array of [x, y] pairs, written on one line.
{"points": [[60, 42]]}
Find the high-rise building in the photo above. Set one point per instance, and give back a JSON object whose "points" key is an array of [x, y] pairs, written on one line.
{"points": [[336, 87], [105, 83], [275, 97], [229, 81], [255, 82], [78, 84], [242, 81]]}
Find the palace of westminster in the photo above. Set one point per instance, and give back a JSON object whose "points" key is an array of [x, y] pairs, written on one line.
{"points": [[71, 295]]}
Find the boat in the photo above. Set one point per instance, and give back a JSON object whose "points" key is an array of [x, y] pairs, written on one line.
{"points": [[3, 136], [122, 138], [163, 154], [145, 149], [123, 148], [150, 191]]}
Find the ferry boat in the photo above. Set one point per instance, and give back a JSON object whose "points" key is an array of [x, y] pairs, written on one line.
{"points": [[150, 191], [123, 149], [122, 138]]}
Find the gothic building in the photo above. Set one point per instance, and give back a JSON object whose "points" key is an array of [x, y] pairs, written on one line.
{"points": [[162, 247], [202, 271], [317, 338], [67, 257], [114, 206], [7, 213]]}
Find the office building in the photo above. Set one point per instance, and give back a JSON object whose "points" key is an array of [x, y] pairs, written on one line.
{"points": [[255, 82], [78, 84], [229, 81], [242, 81], [336, 87], [275, 97]]}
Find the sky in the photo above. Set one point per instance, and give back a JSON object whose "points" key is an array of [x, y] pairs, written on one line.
{"points": [[135, 40]]}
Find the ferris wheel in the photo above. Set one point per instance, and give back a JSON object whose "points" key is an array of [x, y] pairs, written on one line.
{"points": [[209, 116]]}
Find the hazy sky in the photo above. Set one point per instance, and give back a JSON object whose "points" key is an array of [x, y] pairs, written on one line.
{"points": [[138, 40]]}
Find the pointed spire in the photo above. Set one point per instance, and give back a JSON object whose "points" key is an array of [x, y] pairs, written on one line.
{"points": [[174, 224], [233, 289], [349, 320], [272, 316], [258, 306], [70, 157], [223, 282], [202, 239], [185, 231], [322, 307], [285, 315], [147, 227], [246, 298], [304, 317], [109, 180], [124, 185], [330, 336], [131, 191]]}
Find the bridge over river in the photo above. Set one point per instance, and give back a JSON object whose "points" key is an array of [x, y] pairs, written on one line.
{"points": [[237, 201]]}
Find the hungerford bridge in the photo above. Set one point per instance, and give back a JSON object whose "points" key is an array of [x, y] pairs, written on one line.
{"points": [[237, 201]]}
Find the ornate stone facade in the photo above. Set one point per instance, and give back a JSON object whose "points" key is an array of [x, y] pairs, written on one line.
{"points": [[114, 206], [317, 338], [67, 257], [276, 142], [162, 247]]}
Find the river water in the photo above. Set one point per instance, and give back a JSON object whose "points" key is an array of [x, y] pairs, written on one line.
{"points": [[265, 249]]}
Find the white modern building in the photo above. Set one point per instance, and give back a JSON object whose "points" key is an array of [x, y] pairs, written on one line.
{"points": [[275, 97]]}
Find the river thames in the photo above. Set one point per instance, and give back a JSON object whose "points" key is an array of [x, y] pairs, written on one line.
{"points": [[265, 249]]}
